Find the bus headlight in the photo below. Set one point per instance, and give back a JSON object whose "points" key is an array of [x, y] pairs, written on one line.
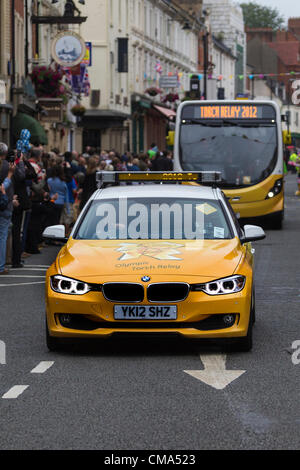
{"points": [[277, 188], [227, 285]]}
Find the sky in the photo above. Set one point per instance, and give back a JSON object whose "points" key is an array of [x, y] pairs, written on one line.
{"points": [[287, 8]]}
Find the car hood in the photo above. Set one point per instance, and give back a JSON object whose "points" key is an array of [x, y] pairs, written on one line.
{"points": [[121, 260]]}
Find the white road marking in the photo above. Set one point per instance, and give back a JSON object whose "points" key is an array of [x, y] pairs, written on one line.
{"points": [[15, 391], [22, 284], [21, 275], [215, 373], [27, 269], [35, 266], [42, 367], [2, 352]]}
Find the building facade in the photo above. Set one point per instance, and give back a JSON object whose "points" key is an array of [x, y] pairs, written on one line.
{"points": [[227, 25], [5, 70], [143, 53]]}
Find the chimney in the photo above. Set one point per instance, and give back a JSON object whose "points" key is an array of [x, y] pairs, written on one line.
{"points": [[294, 25]]}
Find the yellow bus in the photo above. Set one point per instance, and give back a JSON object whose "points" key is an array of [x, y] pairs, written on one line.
{"points": [[242, 140]]}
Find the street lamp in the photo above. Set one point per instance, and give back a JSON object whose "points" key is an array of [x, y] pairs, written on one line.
{"points": [[206, 13], [205, 62]]}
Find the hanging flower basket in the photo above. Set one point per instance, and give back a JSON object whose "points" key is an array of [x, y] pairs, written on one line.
{"points": [[170, 98], [47, 82], [153, 91], [78, 110]]}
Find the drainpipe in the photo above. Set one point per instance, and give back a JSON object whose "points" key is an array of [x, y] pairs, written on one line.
{"points": [[26, 38], [13, 67]]}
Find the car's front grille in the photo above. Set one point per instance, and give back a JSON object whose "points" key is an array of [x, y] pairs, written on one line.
{"points": [[167, 292], [123, 292]]}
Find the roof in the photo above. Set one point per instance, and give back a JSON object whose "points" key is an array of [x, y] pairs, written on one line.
{"points": [[287, 51], [156, 190], [169, 113]]}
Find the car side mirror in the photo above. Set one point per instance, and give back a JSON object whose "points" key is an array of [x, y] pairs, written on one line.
{"points": [[55, 232], [252, 233]]}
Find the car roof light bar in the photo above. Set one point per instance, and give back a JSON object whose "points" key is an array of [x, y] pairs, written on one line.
{"points": [[117, 177]]}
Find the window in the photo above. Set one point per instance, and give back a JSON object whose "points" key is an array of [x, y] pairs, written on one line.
{"points": [[154, 218], [122, 55]]}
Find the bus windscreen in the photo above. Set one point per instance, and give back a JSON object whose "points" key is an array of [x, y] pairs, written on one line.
{"points": [[243, 149]]}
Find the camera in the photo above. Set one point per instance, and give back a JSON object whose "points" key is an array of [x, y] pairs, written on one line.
{"points": [[11, 157]]}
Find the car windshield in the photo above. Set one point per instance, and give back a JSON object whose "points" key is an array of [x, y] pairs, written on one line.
{"points": [[154, 219], [245, 154]]}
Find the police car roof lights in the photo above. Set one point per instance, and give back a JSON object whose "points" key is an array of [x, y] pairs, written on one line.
{"points": [[115, 177]]}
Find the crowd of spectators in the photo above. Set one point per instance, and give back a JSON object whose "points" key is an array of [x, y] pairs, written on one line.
{"points": [[39, 189]]}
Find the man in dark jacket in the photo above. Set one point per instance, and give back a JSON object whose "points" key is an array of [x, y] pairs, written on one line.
{"points": [[24, 172], [38, 190], [161, 162]]}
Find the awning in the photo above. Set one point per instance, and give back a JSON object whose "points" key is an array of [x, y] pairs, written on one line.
{"points": [[24, 121], [169, 113]]}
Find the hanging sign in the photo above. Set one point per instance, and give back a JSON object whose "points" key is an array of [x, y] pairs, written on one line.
{"points": [[68, 49], [167, 81]]}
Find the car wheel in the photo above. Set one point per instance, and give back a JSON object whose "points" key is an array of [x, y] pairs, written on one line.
{"points": [[53, 344]]}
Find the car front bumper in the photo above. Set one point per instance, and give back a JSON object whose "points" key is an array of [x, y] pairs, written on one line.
{"points": [[198, 316]]}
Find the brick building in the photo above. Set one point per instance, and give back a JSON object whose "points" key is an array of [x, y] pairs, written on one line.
{"points": [[275, 53]]}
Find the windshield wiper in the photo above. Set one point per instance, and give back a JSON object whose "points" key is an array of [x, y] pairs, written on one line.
{"points": [[212, 123], [232, 123]]}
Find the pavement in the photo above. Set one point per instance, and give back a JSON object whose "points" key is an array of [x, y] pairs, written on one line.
{"points": [[140, 395]]}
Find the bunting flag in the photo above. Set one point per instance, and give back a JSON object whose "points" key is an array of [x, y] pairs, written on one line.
{"points": [[211, 76], [158, 67], [86, 87], [68, 76]]}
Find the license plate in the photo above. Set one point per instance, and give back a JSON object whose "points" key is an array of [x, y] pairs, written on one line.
{"points": [[145, 312]]}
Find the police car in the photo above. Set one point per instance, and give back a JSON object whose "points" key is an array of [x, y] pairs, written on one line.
{"points": [[167, 256]]}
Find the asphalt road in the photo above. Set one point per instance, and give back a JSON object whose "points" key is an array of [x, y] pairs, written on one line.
{"points": [[136, 395]]}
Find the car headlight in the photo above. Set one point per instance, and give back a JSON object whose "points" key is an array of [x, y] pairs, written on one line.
{"points": [[67, 285], [227, 285]]}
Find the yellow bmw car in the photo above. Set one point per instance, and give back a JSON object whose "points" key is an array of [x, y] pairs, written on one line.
{"points": [[153, 258]]}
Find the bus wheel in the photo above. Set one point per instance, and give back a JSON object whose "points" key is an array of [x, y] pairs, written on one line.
{"points": [[277, 221]]}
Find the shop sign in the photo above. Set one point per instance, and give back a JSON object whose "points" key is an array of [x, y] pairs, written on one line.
{"points": [[52, 110]]}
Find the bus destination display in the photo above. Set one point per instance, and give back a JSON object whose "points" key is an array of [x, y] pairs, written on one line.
{"points": [[229, 112]]}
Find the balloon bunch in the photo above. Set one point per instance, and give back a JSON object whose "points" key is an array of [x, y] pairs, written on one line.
{"points": [[23, 144]]}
